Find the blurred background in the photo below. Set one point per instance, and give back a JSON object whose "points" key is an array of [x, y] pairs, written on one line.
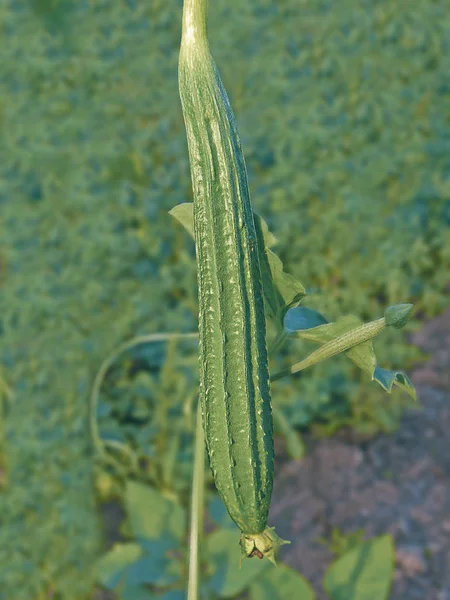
{"points": [[344, 114]]}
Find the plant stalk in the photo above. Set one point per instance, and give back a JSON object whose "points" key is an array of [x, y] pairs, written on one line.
{"points": [[197, 500], [194, 25]]}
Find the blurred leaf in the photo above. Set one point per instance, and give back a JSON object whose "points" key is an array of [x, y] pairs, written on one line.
{"points": [[340, 542], [293, 441], [137, 592], [173, 595], [112, 567], [227, 580], [159, 546], [219, 514], [281, 583], [104, 409], [155, 569], [363, 573], [151, 514], [133, 565]]}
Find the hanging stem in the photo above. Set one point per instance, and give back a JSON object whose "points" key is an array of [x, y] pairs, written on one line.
{"points": [[194, 20], [197, 500]]}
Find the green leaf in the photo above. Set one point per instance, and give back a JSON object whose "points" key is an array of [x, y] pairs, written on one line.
{"points": [[363, 573], [135, 564], [112, 567], [159, 546], [158, 570], [281, 583], [184, 213], [388, 378], [227, 580], [137, 592], [219, 514], [281, 290], [173, 595], [363, 355], [301, 317], [155, 566], [151, 514], [269, 239]]}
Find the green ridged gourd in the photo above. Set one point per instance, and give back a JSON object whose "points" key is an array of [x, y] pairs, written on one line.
{"points": [[234, 377]]}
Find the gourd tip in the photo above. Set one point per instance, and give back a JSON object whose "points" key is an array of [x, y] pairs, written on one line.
{"points": [[397, 316], [264, 544]]}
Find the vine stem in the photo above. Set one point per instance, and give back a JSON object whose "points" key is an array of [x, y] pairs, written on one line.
{"points": [[6, 390], [197, 509], [100, 444]]}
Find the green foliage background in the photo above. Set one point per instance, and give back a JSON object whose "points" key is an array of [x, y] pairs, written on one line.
{"points": [[344, 114]]}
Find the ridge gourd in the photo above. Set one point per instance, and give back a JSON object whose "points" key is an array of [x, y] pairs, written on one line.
{"points": [[234, 376]]}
